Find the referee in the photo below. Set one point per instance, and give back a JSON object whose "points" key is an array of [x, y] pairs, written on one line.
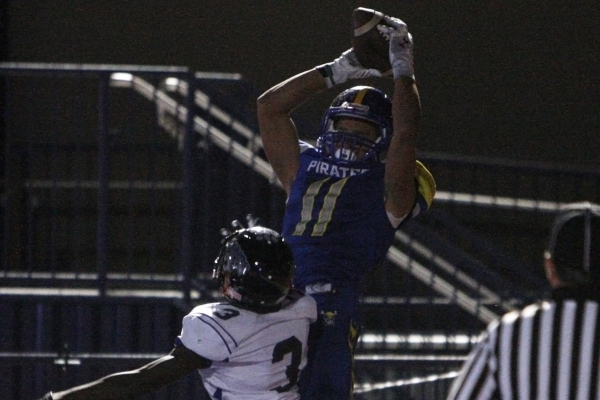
{"points": [[548, 350]]}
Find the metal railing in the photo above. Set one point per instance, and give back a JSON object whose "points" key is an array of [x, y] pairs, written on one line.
{"points": [[54, 133]]}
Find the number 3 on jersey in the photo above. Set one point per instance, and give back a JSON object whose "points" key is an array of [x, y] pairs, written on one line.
{"points": [[308, 204], [294, 346]]}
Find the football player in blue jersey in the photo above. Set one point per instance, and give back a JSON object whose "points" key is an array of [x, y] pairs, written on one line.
{"points": [[250, 347], [347, 195]]}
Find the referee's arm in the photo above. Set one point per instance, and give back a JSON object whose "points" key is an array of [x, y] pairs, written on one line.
{"points": [[476, 379]]}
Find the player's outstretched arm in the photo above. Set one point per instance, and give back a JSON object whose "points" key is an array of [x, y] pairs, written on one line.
{"points": [[400, 170], [152, 376], [278, 131], [401, 190]]}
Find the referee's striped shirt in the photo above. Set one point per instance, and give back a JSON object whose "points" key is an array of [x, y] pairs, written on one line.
{"points": [[548, 350]]}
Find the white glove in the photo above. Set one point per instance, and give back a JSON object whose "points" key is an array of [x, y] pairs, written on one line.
{"points": [[343, 68], [401, 45]]}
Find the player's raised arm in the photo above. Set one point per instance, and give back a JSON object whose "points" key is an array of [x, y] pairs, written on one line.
{"points": [[152, 376], [277, 129], [401, 165], [278, 132]]}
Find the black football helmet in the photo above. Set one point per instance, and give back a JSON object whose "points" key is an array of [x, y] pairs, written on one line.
{"points": [[361, 102], [259, 266]]}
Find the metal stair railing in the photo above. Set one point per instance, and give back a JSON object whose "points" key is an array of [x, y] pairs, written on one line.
{"points": [[204, 102], [473, 286], [169, 106], [461, 298], [483, 248]]}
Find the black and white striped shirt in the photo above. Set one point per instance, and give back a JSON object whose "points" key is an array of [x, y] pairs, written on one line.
{"points": [[549, 350]]}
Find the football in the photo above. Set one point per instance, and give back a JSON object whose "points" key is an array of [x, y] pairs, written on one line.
{"points": [[370, 46]]}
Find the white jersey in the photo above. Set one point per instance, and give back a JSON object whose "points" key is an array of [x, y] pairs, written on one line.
{"points": [[254, 356]]}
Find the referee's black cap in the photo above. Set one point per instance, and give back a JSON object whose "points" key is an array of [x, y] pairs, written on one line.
{"points": [[574, 243]]}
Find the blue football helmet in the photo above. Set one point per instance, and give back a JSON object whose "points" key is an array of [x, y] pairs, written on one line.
{"points": [[360, 102], [259, 266]]}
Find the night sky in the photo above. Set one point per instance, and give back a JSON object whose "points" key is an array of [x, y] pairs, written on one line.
{"points": [[513, 79]]}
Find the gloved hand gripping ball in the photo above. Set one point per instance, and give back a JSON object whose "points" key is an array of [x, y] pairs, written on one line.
{"points": [[345, 67], [400, 46]]}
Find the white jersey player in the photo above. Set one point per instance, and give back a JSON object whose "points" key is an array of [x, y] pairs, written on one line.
{"points": [[250, 347], [256, 356]]}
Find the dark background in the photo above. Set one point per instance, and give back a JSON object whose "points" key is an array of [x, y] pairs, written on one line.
{"points": [[515, 79]]}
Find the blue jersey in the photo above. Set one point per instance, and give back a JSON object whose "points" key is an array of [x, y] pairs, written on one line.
{"points": [[335, 220]]}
